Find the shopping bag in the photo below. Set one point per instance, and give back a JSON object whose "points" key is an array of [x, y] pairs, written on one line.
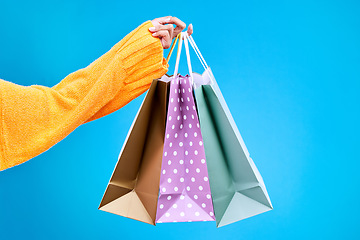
{"points": [[237, 188], [133, 188], [184, 184]]}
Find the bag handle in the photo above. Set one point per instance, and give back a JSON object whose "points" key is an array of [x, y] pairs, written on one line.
{"points": [[198, 53], [188, 56], [181, 38], [178, 56], [202, 59], [172, 48]]}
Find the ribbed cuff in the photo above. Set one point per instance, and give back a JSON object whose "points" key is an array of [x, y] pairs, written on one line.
{"points": [[142, 55]]}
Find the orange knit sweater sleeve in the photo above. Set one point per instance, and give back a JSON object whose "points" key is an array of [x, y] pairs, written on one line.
{"points": [[34, 118]]}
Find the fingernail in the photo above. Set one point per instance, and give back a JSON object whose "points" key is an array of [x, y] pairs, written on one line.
{"points": [[154, 34], [152, 28]]}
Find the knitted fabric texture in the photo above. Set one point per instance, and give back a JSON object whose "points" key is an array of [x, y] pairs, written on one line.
{"points": [[34, 118]]}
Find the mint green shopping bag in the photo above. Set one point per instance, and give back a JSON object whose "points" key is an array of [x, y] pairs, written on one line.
{"points": [[237, 188]]}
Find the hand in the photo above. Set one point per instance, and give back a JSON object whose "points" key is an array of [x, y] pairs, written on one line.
{"points": [[167, 32]]}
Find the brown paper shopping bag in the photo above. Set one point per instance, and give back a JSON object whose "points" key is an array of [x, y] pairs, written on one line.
{"points": [[134, 185]]}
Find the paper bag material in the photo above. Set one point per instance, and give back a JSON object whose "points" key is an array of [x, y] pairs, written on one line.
{"points": [[134, 186], [237, 188], [184, 194]]}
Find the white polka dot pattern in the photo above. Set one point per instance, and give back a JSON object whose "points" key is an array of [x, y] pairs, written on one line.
{"points": [[184, 187]]}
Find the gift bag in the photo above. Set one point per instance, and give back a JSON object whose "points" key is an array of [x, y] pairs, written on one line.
{"points": [[133, 189], [134, 186], [237, 188], [184, 183]]}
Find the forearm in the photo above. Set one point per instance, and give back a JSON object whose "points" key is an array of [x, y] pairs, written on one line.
{"points": [[34, 118], [142, 67]]}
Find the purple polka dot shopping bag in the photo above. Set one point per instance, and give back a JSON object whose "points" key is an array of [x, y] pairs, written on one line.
{"points": [[184, 182]]}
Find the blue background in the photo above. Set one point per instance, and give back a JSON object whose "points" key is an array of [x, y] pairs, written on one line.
{"points": [[289, 70]]}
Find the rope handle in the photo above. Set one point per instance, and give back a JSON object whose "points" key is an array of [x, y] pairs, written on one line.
{"points": [[172, 48]]}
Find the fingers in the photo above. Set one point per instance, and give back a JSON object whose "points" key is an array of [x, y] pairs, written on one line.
{"points": [[161, 20], [165, 33], [190, 29], [180, 25], [164, 29], [157, 28], [165, 38]]}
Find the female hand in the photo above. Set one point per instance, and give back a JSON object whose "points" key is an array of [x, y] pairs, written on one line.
{"points": [[167, 32]]}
